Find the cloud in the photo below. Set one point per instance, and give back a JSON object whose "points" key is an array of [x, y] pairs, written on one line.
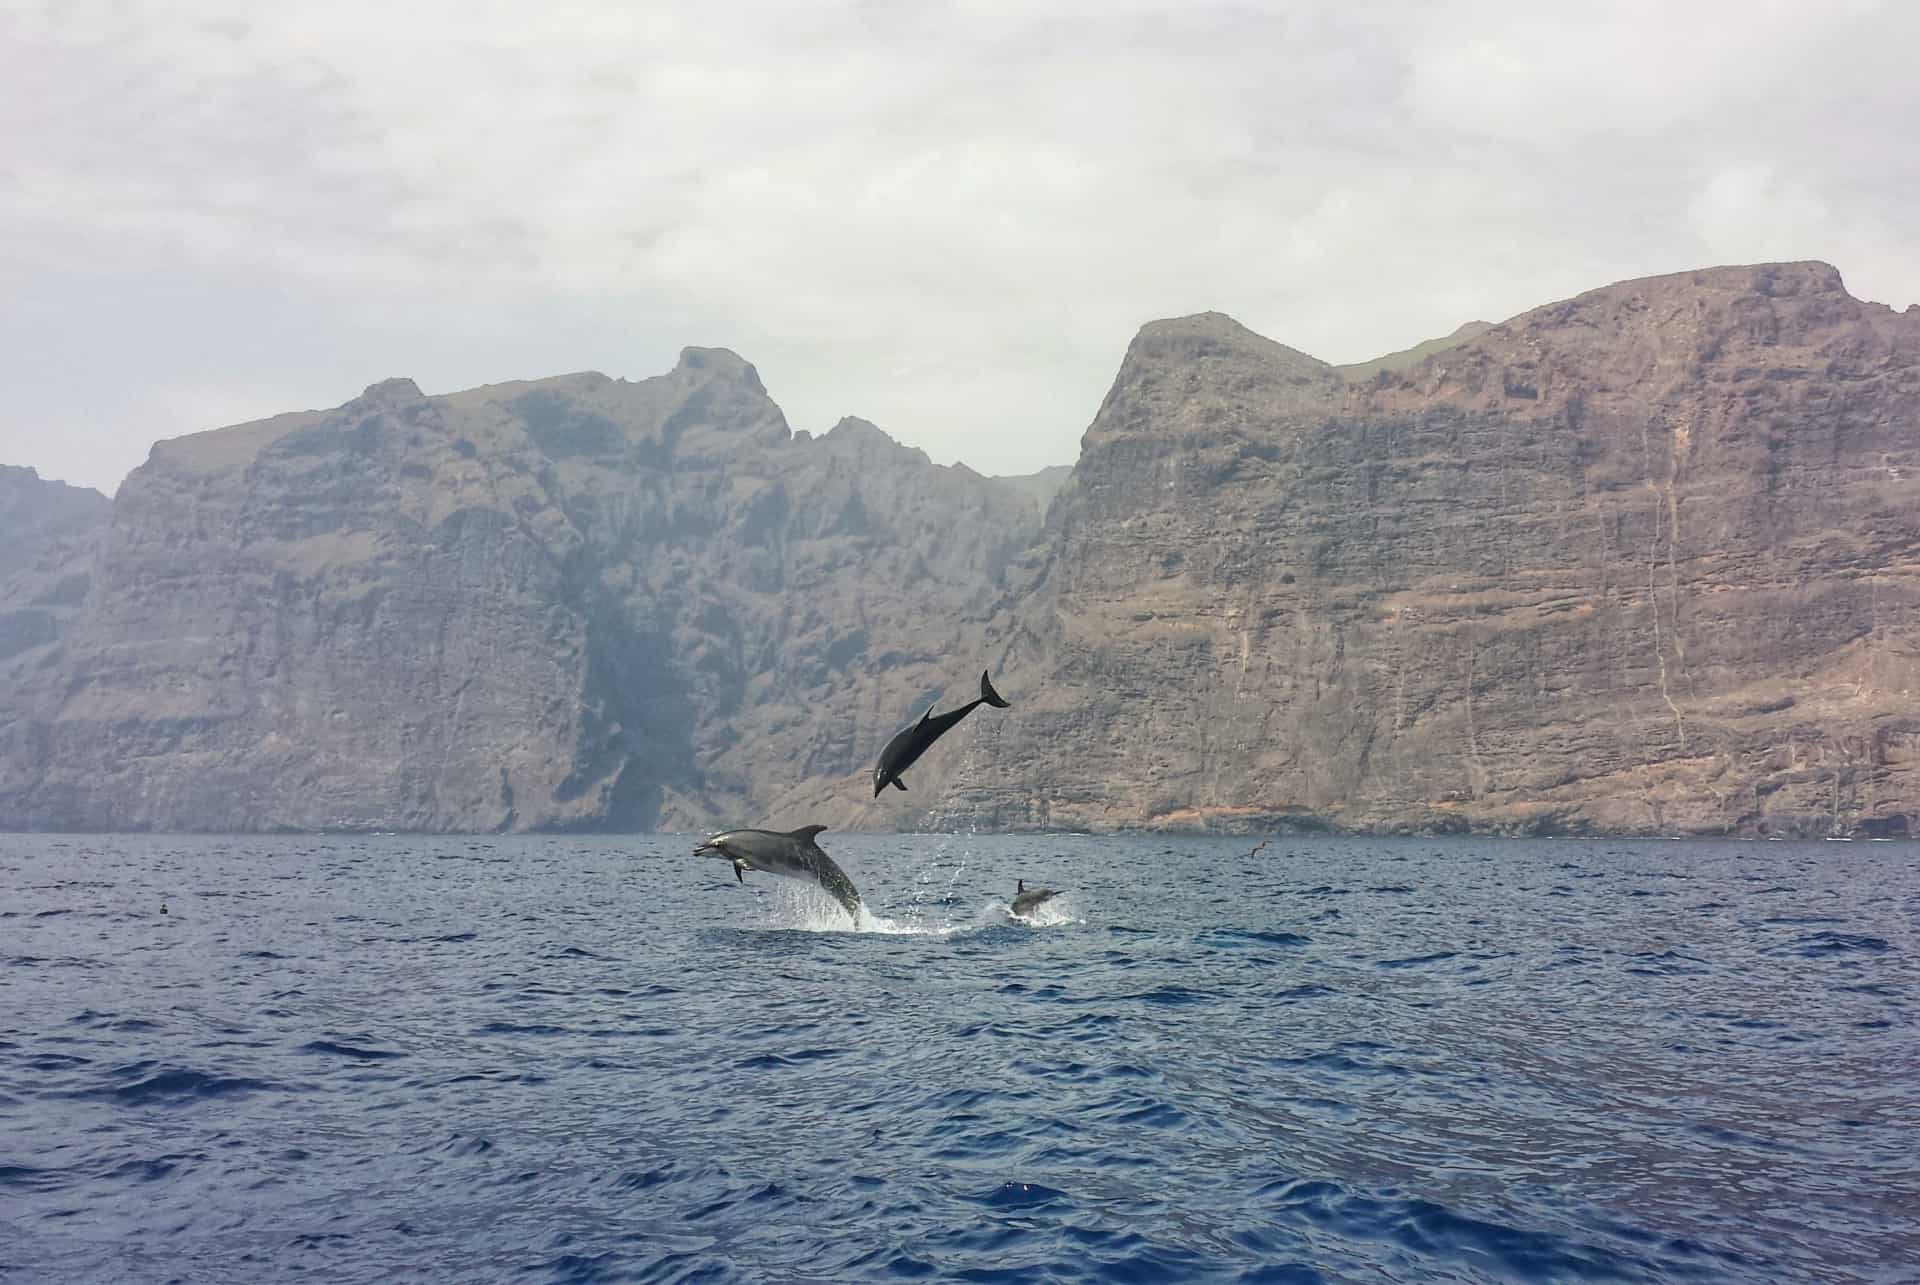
{"points": [[1750, 208], [1633, 67], [946, 217]]}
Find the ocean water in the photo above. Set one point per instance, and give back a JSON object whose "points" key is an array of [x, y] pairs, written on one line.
{"points": [[365, 1059]]}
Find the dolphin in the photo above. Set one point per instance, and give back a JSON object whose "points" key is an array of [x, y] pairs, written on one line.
{"points": [[791, 853], [910, 743], [1025, 902]]}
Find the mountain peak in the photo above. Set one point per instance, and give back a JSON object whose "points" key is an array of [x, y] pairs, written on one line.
{"points": [[719, 363], [1801, 284], [1193, 361], [1214, 334], [1648, 337], [853, 428], [863, 438], [390, 392]]}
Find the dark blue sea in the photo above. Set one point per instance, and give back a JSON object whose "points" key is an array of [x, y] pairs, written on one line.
{"points": [[567, 1059]]}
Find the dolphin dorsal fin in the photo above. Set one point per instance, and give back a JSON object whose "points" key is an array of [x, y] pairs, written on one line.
{"points": [[806, 832], [929, 714]]}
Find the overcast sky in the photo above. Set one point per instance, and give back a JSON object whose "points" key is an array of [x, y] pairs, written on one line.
{"points": [[946, 218]]}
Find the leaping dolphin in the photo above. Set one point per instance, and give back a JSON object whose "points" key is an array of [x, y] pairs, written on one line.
{"points": [[910, 743], [1025, 902], [793, 854]]}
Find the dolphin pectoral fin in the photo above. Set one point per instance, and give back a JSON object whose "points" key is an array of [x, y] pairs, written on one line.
{"points": [[740, 871], [899, 784], [990, 696]]}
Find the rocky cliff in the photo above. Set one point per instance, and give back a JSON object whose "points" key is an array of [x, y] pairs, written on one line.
{"points": [[572, 602], [49, 536], [1645, 561], [49, 533]]}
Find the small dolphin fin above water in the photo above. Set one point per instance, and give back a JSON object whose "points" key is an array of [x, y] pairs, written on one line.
{"points": [[907, 745], [1026, 901]]}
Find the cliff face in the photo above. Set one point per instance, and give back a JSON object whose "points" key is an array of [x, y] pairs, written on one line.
{"points": [[1647, 560], [1644, 561], [571, 602], [48, 537]]}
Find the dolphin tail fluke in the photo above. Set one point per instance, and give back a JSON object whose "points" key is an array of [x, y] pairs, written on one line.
{"points": [[841, 889], [852, 906], [990, 696]]}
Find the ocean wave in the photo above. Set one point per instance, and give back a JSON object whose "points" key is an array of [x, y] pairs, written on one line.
{"points": [[581, 1059]]}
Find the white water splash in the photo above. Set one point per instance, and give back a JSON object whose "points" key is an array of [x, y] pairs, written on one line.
{"points": [[1054, 912], [797, 907]]}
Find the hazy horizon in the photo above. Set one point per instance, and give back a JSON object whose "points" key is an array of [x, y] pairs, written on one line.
{"points": [[948, 219]]}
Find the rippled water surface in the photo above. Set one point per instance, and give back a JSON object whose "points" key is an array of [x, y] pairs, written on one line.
{"points": [[602, 1059]]}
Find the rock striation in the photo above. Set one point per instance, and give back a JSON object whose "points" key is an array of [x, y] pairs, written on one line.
{"points": [[564, 603], [1643, 561], [49, 533]]}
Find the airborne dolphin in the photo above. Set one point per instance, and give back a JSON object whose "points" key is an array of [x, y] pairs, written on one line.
{"points": [[793, 854], [910, 743], [1025, 902]]}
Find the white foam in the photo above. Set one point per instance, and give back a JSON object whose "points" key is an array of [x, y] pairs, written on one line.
{"points": [[1054, 912], [800, 908]]}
